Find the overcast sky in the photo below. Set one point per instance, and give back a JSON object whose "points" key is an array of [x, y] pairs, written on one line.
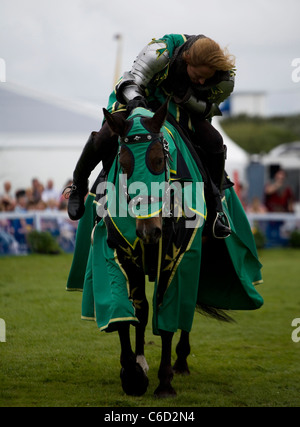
{"points": [[67, 47]]}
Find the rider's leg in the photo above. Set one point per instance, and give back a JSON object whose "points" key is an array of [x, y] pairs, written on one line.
{"points": [[210, 142], [216, 162], [101, 146]]}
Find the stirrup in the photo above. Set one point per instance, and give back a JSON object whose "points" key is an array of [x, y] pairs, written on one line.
{"points": [[68, 191], [221, 221], [75, 195]]}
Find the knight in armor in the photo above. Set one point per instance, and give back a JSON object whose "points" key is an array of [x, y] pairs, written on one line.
{"points": [[197, 75]]}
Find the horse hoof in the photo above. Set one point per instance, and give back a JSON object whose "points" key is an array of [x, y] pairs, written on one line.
{"points": [[181, 368], [165, 391], [134, 380]]}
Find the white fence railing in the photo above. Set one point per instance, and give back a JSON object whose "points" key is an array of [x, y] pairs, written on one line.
{"points": [[14, 226], [276, 227]]}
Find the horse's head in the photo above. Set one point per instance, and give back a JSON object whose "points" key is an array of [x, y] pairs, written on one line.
{"points": [[142, 157]]}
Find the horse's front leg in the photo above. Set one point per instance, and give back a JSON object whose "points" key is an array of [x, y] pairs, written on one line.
{"points": [[165, 373], [183, 349], [142, 315], [133, 378]]}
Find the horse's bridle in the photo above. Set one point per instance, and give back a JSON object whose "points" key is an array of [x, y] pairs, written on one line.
{"points": [[139, 139]]}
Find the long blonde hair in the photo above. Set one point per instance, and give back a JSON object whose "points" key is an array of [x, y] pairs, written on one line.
{"points": [[206, 51]]}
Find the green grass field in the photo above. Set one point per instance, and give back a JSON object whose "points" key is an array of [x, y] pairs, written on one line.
{"points": [[52, 358]]}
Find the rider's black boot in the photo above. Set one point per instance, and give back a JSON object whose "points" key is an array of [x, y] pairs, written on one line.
{"points": [[101, 146], [77, 191]]}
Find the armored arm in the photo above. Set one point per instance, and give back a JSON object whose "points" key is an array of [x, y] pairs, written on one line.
{"points": [[209, 108], [201, 108], [152, 59]]}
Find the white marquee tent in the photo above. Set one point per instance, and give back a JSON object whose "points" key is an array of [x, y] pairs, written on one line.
{"points": [[237, 158], [41, 137]]}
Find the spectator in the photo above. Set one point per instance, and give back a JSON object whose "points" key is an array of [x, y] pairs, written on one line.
{"points": [[7, 201], [278, 195], [51, 205], [14, 230], [50, 193], [7, 190], [35, 197], [37, 190], [20, 225], [256, 206], [21, 201]]}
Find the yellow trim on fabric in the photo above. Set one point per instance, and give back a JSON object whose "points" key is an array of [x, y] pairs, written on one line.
{"points": [[172, 136], [115, 225], [113, 108], [123, 271], [258, 282], [116, 107], [169, 132], [119, 319], [198, 213], [181, 256], [88, 318], [92, 194], [177, 113], [150, 215], [159, 260]]}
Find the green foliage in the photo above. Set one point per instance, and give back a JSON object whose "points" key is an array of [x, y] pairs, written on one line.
{"points": [[260, 135], [295, 239], [42, 242], [52, 358], [259, 237]]}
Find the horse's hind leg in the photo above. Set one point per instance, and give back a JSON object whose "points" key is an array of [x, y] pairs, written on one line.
{"points": [[165, 373], [183, 349], [133, 378]]}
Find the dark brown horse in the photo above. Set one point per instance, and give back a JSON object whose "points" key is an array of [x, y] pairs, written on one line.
{"points": [[167, 244], [149, 230]]}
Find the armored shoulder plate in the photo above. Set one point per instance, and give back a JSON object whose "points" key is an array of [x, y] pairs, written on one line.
{"points": [[152, 59]]}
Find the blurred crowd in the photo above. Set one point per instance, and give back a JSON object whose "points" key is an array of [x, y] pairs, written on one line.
{"points": [[37, 197], [14, 231], [278, 197]]}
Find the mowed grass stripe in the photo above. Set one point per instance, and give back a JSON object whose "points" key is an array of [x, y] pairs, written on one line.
{"points": [[52, 358]]}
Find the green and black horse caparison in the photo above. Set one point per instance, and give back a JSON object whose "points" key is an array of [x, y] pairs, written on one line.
{"points": [[150, 214]]}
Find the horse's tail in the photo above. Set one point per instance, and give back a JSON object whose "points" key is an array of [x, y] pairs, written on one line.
{"points": [[214, 313]]}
